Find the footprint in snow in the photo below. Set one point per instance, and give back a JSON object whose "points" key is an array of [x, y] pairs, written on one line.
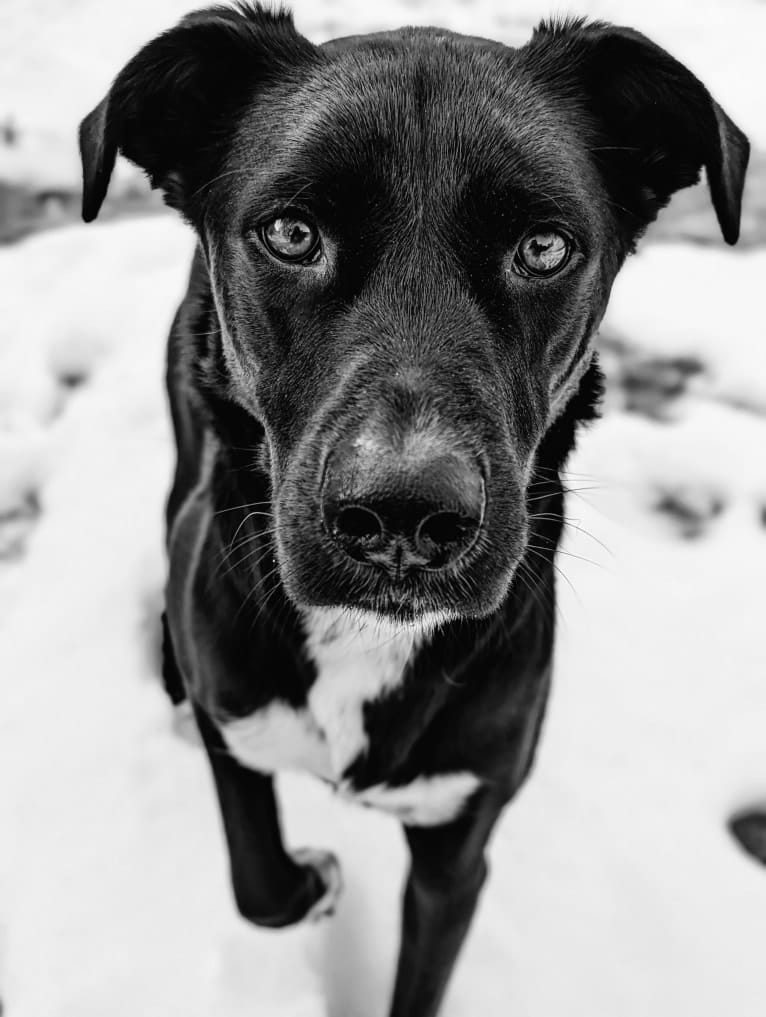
{"points": [[15, 526], [749, 830], [690, 509], [645, 384], [72, 359], [652, 385]]}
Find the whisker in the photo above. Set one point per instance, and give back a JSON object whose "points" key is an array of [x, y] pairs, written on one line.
{"points": [[566, 490], [227, 173], [563, 575], [239, 508], [528, 577], [573, 526], [569, 554], [247, 559], [555, 474], [256, 586], [248, 517]]}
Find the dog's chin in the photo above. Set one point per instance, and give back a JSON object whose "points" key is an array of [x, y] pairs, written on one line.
{"points": [[423, 601]]}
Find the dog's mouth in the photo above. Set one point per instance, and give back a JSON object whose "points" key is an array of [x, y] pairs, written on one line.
{"points": [[407, 601], [317, 573]]}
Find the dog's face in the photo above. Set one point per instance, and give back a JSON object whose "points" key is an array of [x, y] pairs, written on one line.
{"points": [[411, 240]]}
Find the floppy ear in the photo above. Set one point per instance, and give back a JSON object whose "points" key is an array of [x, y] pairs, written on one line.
{"points": [[173, 106], [657, 124]]}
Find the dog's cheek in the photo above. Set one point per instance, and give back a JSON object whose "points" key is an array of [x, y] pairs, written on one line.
{"points": [[249, 349], [571, 327], [303, 563]]}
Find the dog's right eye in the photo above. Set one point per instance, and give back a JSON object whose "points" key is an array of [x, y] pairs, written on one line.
{"points": [[544, 252], [291, 239]]}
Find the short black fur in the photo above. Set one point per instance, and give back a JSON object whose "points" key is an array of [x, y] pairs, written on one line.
{"points": [[424, 159]]}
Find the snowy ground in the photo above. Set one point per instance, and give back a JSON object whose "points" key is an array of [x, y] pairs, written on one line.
{"points": [[614, 869], [616, 889]]}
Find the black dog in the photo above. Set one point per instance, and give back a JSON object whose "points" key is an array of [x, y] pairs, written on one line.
{"points": [[406, 245]]}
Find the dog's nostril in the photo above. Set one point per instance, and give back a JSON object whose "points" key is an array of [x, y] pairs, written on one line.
{"points": [[401, 513], [358, 523], [442, 528]]}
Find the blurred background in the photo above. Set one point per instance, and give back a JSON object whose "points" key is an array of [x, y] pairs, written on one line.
{"points": [[60, 55], [617, 888]]}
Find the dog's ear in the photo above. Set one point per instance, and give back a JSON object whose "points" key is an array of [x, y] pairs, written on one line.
{"points": [[172, 106], [657, 124]]}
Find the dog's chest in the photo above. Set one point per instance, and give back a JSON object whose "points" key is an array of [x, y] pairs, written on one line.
{"points": [[357, 663]]}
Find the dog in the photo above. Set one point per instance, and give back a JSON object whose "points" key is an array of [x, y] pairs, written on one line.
{"points": [[406, 244]]}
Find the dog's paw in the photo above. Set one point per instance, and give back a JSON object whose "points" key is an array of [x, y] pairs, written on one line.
{"points": [[327, 867]]}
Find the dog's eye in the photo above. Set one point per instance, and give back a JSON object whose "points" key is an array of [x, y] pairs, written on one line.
{"points": [[542, 253], [291, 239]]}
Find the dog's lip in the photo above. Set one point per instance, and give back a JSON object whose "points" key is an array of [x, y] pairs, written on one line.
{"points": [[412, 597], [423, 617]]}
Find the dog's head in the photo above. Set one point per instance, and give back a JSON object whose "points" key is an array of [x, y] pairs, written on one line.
{"points": [[411, 240]]}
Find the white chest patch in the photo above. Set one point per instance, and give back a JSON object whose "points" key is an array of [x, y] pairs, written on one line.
{"points": [[279, 738], [425, 801], [358, 659]]}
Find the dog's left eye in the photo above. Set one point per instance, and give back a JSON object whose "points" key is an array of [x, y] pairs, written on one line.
{"points": [[291, 239], [542, 253]]}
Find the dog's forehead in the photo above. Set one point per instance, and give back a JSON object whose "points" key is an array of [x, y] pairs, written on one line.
{"points": [[422, 110]]}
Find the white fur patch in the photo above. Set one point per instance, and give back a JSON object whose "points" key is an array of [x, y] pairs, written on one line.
{"points": [[278, 737], [359, 658], [425, 801]]}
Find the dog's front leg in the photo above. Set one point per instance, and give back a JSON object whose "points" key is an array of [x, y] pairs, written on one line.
{"points": [[271, 887], [447, 873]]}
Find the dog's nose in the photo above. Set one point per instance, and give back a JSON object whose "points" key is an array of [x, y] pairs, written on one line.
{"points": [[402, 511]]}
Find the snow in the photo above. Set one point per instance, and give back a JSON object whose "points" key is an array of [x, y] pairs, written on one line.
{"points": [[655, 304], [613, 869], [615, 887]]}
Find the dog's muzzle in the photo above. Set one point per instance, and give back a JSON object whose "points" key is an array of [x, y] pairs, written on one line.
{"points": [[402, 512]]}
